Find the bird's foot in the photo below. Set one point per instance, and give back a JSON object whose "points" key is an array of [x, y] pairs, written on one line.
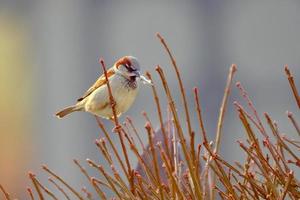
{"points": [[117, 129]]}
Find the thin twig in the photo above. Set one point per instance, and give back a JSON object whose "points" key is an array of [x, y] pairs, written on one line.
{"points": [[88, 194], [154, 156], [292, 84], [287, 184], [198, 108], [59, 188], [36, 186], [29, 190], [129, 120], [180, 133], [232, 70], [44, 167], [102, 127], [48, 192], [118, 127], [98, 189], [158, 107], [182, 90], [84, 172], [5, 193], [291, 117]]}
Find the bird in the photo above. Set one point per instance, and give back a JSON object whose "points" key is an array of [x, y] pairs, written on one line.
{"points": [[124, 79]]}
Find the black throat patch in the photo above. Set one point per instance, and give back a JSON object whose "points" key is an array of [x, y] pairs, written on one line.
{"points": [[131, 83]]}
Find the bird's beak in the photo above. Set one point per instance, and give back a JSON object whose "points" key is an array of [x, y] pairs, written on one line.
{"points": [[145, 80], [141, 77]]}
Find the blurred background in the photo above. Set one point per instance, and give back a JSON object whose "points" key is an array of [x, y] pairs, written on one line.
{"points": [[48, 58]]}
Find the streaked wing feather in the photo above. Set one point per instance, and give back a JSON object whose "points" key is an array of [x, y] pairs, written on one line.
{"points": [[100, 81]]}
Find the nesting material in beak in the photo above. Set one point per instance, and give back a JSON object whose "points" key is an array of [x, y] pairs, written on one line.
{"points": [[145, 80]]}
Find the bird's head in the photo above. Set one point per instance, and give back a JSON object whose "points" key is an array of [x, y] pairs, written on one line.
{"points": [[129, 67]]}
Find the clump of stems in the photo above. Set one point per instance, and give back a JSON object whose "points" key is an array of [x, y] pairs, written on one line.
{"points": [[191, 170]]}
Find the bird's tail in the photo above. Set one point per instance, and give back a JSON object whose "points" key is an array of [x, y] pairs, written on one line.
{"points": [[67, 111]]}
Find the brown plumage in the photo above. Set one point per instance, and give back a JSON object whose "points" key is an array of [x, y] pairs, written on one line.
{"points": [[101, 81]]}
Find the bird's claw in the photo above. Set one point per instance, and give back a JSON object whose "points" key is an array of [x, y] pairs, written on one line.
{"points": [[116, 129]]}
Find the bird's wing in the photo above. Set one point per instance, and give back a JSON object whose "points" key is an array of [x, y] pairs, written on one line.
{"points": [[101, 81]]}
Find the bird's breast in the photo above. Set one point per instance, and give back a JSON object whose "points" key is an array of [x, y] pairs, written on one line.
{"points": [[125, 92]]}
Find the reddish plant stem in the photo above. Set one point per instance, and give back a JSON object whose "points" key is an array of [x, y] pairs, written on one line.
{"points": [[36, 186], [171, 174], [199, 113], [129, 120], [44, 167], [103, 149], [29, 190], [142, 189], [5, 193], [292, 84], [99, 181], [291, 117], [88, 194], [259, 126], [280, 140], [154, 157], [109, 180], [101, 125], [182, 90], [287, 184], [84, 172], [98, 189], [232, 70], [59, 188], [46, 190], [129, 132], [143, 163], [245, 95], [122, 184], [118, 127], [180, 133], [162, 127]]}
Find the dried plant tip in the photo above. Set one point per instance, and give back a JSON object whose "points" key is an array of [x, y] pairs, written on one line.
{"points": [[35, 184], [289, 114], [148, 126], [29, 190], [128, 118], [159, 36], [101, 61], [292, 85], [88, 194], [294, 122], [199, 114]]}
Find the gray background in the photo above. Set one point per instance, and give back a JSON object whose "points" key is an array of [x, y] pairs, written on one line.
{"points": [[68, 36]]}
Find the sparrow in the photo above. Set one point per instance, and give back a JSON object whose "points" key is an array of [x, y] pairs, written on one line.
{"points": [[124, 78]]}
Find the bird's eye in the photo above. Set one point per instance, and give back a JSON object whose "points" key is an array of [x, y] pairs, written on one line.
{"points": [[129, 68]]}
